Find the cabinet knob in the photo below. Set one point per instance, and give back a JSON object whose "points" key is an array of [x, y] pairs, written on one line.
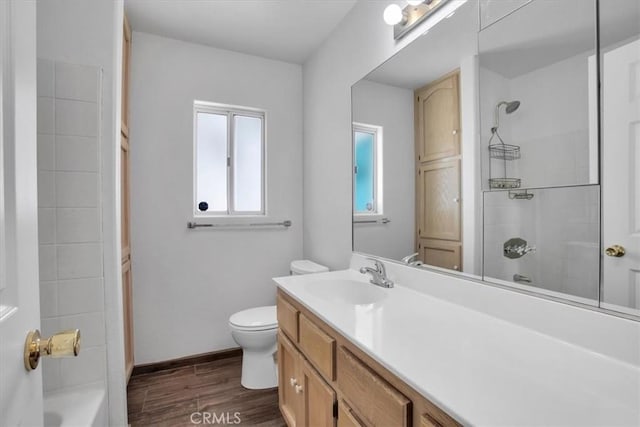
{"points": [[293, 381], [456, 199], [455, 132], [298, 389], [455, 267]]}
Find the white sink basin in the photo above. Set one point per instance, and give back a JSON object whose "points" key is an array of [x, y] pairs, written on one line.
{"points": [[346, 291]]}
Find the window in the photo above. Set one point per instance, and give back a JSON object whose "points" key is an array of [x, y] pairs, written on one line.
{"points": [[367, 169], [229, 160]]}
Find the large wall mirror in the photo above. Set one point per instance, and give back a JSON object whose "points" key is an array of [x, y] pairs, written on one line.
{"points": [[493, 153]]}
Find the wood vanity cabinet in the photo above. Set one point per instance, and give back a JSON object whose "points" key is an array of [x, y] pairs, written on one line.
{"points": [[324, 380], [305, 398]]}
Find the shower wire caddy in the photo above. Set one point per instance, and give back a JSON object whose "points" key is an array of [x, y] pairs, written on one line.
{"points": [[505, 152]]}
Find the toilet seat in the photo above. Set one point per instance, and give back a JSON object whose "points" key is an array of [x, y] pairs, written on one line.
{"points": [[255, 319]]}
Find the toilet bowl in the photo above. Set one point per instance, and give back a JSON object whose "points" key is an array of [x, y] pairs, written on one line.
{"points": [[255, 330]]}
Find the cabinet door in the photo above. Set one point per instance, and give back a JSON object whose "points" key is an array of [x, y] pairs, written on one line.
{"points": [[318, 399], [440, 253], [439, 200], [346, 417], [438, 120], [288, 378]]}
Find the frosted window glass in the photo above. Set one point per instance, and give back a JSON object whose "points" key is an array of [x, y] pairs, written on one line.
{"points": [[364, 172], [247, 172], [211, 186]]}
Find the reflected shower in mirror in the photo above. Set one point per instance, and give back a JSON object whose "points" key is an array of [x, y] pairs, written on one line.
{"points": [[539, 138]]}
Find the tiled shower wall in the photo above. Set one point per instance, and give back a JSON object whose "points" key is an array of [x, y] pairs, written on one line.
{"points": [[69, 208], [563, 224]]}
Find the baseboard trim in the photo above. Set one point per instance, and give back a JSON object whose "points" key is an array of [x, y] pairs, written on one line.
{"points": [[148, 368]]}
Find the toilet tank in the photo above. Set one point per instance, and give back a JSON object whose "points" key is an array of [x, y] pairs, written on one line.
{"points": [[304, 266]]}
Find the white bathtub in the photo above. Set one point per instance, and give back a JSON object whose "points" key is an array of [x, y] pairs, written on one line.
{"points": [[82, 407]]}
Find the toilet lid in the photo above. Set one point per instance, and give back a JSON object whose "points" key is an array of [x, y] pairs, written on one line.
{"points": [[258, 318]]}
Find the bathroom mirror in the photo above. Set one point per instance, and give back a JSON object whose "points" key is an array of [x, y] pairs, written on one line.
{"points": [[480, 151]]}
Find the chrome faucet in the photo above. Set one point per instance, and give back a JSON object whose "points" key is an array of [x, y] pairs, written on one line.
{"points": [[517, 248], [412, 260], [378, 274]]}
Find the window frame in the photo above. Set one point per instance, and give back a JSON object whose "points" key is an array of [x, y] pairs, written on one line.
{"points": [[378, 201], [230, 111]]}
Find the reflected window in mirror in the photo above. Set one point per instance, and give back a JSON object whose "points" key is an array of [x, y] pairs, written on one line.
{"points": [[367, 169]]}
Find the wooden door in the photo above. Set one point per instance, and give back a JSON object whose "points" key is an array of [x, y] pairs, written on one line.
{"points": [[439, 200], [318, 399], [438, 156], [621, 178], [440, 253], [438, 119], [127, 285], [288, 376]]}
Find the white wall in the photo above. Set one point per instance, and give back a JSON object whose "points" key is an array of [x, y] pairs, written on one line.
{"points": [[493, 10], [361, 42], [392, 108], [69, 226], [90, 33], [470, 168], [188, 282], [552, 123]]}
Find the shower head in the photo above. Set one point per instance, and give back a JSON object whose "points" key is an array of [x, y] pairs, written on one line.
{"points": [[511, 106]]}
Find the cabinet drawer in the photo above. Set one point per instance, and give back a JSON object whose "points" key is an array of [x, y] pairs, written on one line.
{"points": [[288, 318], [373, 399], [427, 420], [346, 417], [317, 346]]}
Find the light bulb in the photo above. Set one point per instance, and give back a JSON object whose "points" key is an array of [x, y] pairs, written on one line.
{"points": [[392, 14], [415, 2]]}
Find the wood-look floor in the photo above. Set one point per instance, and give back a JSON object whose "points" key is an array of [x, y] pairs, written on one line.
{"points": [[169, 397]]}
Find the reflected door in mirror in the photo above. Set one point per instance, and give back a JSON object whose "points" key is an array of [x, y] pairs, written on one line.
{"points": [[437, 111], [620, 177], [438, 120]]}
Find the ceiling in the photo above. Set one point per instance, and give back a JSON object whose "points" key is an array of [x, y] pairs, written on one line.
{"points": [[286, 30]]}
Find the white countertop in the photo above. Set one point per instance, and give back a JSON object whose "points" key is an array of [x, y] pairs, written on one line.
{"points": [[481, 370]]}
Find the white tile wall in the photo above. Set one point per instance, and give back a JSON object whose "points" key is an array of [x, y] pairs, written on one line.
{"points": [[79, 260], [76, 118], [76, 153], [76, 189], [77, 225], [564, 225], [71, 262]]}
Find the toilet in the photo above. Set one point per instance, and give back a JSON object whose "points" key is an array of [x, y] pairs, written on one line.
{"points": [[255, 330]]}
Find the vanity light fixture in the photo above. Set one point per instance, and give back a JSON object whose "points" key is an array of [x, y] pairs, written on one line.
{"points": [[404, 19]]}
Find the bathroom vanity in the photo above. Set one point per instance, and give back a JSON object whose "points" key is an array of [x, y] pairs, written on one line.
{"points": [[422, 354], [324, 376]]}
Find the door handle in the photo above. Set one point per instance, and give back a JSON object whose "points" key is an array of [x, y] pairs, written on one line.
{"points": [[62, 344], [616, 251]]}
